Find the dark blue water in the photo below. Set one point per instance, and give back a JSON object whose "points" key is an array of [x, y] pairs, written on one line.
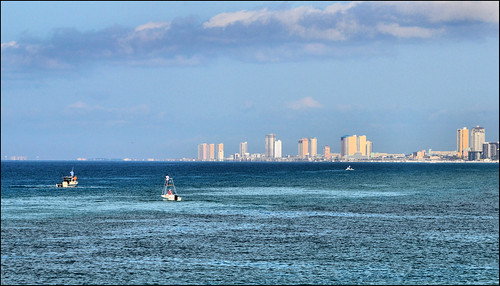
{"points": [[250, 223]]}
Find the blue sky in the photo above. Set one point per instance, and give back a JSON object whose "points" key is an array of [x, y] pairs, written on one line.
{"points": [[155, 79]]}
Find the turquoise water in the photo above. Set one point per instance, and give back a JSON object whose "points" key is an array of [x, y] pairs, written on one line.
{"points": [[250, 223]]}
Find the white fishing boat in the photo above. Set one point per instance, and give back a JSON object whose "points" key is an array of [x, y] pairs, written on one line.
{"points": [[68, 181], [349, 168], [169, 192]]}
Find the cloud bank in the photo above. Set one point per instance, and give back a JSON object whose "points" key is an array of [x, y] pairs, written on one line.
{"points": [[339, 30], [304, 103]]}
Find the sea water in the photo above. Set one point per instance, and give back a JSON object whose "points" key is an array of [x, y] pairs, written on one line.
{"points": [[250, 223]]}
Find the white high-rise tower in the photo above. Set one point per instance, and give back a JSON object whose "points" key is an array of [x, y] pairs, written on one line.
{"points": [[477, 138], [243, 149], [277, 149], [270, 139]]}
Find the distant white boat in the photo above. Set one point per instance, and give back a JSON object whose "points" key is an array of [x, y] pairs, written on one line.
{"points": [[68, 181], [169, 192], [349, 168]]}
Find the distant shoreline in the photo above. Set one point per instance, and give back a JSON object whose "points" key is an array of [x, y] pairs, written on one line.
{"points": [[260, 161]]}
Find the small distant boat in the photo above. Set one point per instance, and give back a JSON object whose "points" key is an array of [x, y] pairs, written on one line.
{"points": [[68, 181], [349, 168], [169, 192]]}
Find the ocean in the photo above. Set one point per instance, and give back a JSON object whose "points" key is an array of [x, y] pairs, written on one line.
{"points": [[250, 223]]}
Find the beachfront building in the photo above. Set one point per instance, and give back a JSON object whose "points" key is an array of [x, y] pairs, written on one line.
{"points": [[369, 149], [462, 142], [477, 139], [270, 140], [220, 152], [203, 152], [327, 152], [490, 150], [303, 148], [211, 152], [313, 147], [354, 147], [244, 149], [277, 149]]}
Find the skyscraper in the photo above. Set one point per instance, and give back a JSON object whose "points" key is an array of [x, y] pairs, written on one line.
{"points": [[348, 145], [202, 152], [477, 139], [220, 152], [243, 149], [327, 152], [462, 141], [277, 149], [303, 148], [270, 139], [354, 146], [490, 150], [211, 152], [313, 147], [361, 145], [369, 148]]}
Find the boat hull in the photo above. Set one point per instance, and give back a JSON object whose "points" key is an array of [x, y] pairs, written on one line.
{"points": [[68, 183], [171, 197]]}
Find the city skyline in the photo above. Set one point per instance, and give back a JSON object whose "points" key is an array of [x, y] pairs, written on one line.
{"points": [[470, 146], [155, 79]]}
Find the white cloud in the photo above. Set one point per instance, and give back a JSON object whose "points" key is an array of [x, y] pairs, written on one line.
{"points": [[153, 25], [407, 32], [303, 103], [12, 44], [447, 11], [246, 17], [291, 19]]}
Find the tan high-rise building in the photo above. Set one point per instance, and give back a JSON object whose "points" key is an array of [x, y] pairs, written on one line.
{"points": [[211, 152], [354, 146], [303, 148], [462, 141], [361, 145], [220, 152], [327, 152], [348, 145], [313, 147]]}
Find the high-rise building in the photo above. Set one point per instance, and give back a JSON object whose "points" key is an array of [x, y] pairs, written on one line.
{"points": [[462, 141], [211, 152], [354, 146], [490, 150], [348, 145], [313, 147], [327, 152], [369, 149], [243, 149], [277, 149], [220, 152], [270, 139], [303, 148], [361, 145], [203, 152], [477, 139]]}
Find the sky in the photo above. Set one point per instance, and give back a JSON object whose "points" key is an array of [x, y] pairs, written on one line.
{"points": [[155, 79]]}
